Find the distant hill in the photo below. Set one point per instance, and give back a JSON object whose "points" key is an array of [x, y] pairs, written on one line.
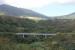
{"points": [[69, 16], [14, 11]]}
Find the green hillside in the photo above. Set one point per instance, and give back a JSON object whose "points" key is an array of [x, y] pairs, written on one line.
{"points": [[69, 16], [15, 24]]}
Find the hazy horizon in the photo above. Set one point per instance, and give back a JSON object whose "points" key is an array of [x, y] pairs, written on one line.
{"points": [[46, 7]]}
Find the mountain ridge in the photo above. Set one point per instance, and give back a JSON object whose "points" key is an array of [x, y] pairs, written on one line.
{"points": [[14, 11], [69, 16]]}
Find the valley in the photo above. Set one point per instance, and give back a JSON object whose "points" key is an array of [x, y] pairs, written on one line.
{"points": [[23, 29]]}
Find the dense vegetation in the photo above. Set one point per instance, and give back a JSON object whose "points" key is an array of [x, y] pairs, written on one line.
{"points": [[14, 24], [61, 41], [64, 40], [63, 27]]}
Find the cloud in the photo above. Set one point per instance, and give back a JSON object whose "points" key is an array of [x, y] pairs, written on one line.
{"points": [[36, 3], [28, 3], [1, 2], [65, 1]]}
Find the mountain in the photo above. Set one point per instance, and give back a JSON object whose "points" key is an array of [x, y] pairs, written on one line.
{"points": [[69, 16], [14, 11]]}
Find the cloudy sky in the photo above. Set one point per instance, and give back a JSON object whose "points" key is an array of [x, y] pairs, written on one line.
{"points": [[47, 7]]}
